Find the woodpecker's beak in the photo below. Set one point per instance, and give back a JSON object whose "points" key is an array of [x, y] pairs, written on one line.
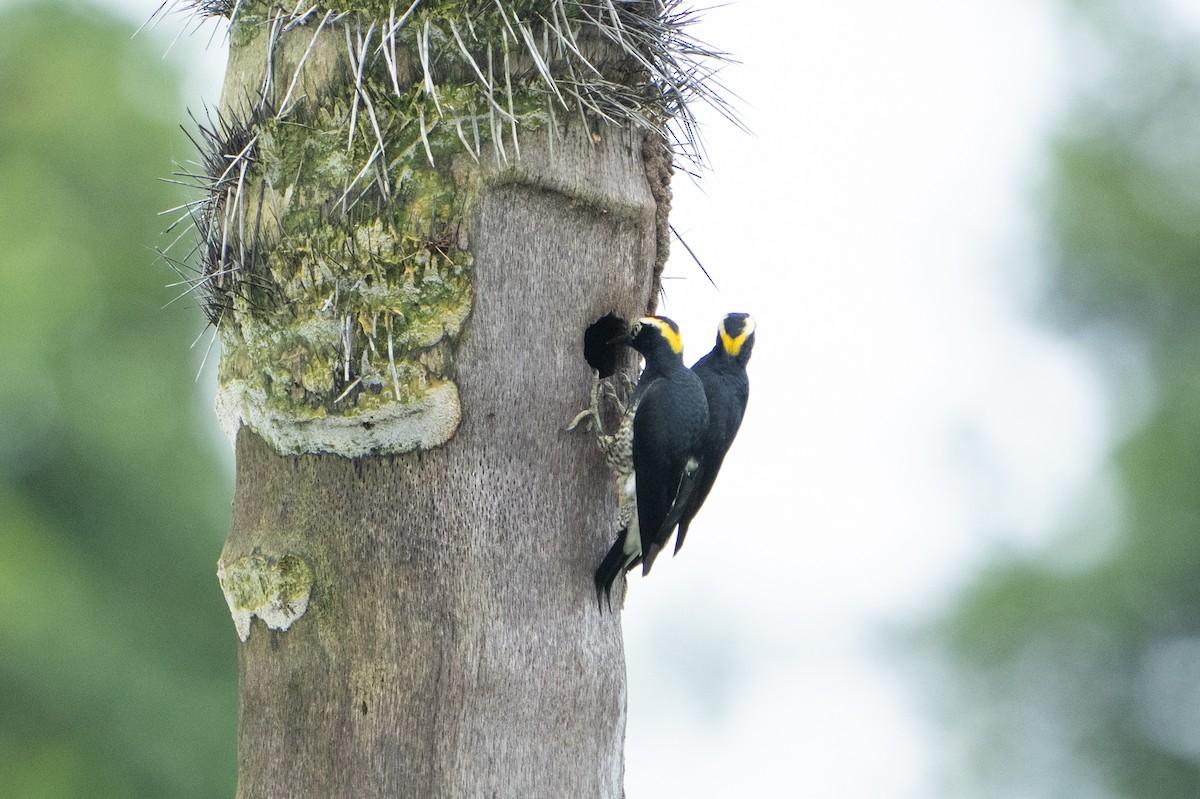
{"points": [[622, 339]]}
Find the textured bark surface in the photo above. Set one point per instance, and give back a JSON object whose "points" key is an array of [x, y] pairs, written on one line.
{"points": [[452, 646]]}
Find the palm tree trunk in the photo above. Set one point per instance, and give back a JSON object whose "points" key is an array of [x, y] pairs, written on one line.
{"points": [[413, 587]]}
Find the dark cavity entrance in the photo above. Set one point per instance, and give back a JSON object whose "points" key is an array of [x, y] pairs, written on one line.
{"points": [[598, 349]]}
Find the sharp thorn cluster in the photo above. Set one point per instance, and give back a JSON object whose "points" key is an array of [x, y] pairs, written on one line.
{"points": [[421, 73], [224, 221]]}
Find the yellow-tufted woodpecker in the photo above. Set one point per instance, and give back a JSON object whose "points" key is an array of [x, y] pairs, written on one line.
{"points": [[727, 388], [669, 416]]}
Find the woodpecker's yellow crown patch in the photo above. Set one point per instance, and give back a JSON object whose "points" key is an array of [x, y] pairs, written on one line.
{"points": [[732, 340], [667, 329]]}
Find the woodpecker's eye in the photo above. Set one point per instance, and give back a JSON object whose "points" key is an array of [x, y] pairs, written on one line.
{"points": [[637, 329]]}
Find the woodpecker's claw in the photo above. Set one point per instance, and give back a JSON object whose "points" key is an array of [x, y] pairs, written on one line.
{"points": [[613, 394], [626, 381], [591, 412], [585, 414]]}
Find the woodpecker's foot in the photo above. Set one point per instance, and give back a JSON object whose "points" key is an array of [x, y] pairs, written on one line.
{"points": [[614, 394], [587, 414], [619, 389], [592, 412], [627, 382]]}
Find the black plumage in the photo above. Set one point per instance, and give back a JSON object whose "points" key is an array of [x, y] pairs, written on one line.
{"points": [[727, 389], [670, 415]]}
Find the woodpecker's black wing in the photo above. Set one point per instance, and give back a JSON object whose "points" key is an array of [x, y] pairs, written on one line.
{"points": [[727, 390], [668, 421], [667, 433], [728, 393]]}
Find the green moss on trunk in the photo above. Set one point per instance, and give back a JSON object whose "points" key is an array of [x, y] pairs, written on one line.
{"points": [[337, 230]]}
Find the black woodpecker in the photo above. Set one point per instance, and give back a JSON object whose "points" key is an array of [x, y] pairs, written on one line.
{"points": [[727, 388], [669, 416]]}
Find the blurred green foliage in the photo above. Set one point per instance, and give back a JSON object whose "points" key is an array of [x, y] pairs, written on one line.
{"points": [[1084, 681], [117, 656]]}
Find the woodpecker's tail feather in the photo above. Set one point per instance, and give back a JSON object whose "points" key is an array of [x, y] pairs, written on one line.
{"points": [[651, 554], [687, 485], [679, 536], [616, 561]]}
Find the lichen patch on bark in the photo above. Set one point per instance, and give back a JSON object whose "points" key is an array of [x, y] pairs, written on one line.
{"points": [[275, 590], [421, 423]]}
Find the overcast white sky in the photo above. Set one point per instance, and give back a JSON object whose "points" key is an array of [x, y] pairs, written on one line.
{"points": [[906, 417]]}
